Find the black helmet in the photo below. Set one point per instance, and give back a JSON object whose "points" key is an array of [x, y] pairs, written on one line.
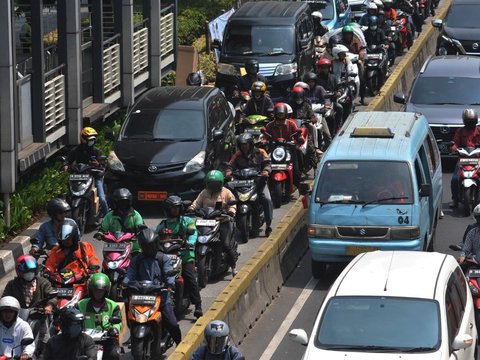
{"points": [[280, 109], [71, 322], [173, 201], [333, 41], [216, 336], [252, 67], [194, 79], [69, 230], [310, 76], [148, 241], [470, 118], [245, 138], [57, 206], [122, 199]]}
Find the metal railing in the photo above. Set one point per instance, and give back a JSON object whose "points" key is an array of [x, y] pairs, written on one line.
{"points": [[140, 51], [54, 99], [111, 65], [167, 35]]}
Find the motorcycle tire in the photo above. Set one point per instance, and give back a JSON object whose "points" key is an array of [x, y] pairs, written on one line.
{"points": [[139, 349], [204, 269], [243, 228], [467, 201], [79, 214], [277, 194]]}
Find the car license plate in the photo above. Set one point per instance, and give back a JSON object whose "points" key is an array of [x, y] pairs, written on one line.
{"points": [[77, 177], [143, 299], [152, 195], [355, 250], [243, 183], [65, 292], [114, 246], [204, 222]]}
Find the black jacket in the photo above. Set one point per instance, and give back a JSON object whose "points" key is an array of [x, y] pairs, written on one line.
{"points": [[375, 37], [61, 347], [328, 82], [15, 288], [263, 106], [302, 111], [246, 81], [83, 154]]}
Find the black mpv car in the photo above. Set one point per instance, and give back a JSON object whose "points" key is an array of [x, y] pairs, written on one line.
{"points": [[170, 139]]}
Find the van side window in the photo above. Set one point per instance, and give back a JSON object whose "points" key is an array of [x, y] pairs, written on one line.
{"points": [[433, 148], [419, 175], [430, 157], [303, 31], [226, 112], [341, 7]]}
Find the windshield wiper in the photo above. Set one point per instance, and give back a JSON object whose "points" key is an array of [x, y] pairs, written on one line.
{"points": [[418, 349], [363, 347], [277, 52], [445, 103], [188, 139], [341, 202], [384, 199], [162, 139]]}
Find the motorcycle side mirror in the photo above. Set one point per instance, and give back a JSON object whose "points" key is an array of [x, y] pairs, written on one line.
{"points": [[62, 159], [232, 202], [437, 23], [399, 98], [216, 44], [52, 293], [115, 320], [217, 135], [354, 61], [110, 135], [186, 203], [142, 227], [304, 189], [102, 158], [455, 247]]}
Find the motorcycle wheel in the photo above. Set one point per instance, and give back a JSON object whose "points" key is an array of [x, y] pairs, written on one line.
{"points": [[372, 85], [467, 201], [242, 227], [138, 350], [204, 269], [79, 214], [277, 194]]}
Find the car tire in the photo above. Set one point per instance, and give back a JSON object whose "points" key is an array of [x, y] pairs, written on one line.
{"points": [[319, 269]]}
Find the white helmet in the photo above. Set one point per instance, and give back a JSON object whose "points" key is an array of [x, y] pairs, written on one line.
{"points": [[379, 4], [9, 303], [289, 110], [476, 210], [338, 49], [372, 6], [318, 15]]}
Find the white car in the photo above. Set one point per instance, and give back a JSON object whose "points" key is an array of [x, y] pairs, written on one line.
{"points": [[395, 305]]}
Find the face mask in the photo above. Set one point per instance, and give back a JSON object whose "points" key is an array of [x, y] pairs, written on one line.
{"points": [[373, 27], [299, 101], [91, 142], [28, 276], [74, 330]]}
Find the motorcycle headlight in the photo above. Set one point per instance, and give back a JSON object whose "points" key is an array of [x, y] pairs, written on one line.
{"points": [[202, 239], [278, 154], [79, 188], [288, 156], [227, 69], [244, 197], [286, 69], [114, 163], [196, 163]]}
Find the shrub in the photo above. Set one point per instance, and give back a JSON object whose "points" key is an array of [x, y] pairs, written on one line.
{"points": [[191, 24]]}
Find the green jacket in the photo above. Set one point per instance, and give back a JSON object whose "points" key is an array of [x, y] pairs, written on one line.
{"points": [[112, 222], [100, 320], [179, 228]]}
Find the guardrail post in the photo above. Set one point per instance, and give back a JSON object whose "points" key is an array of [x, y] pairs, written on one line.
{"points": [[128, 89], [155, 44], [71, 53], [97, 50], [8, 159]]}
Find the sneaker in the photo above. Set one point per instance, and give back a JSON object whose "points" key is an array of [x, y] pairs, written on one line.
{"points": [[234, 271], [268, 231], [198, 311]]}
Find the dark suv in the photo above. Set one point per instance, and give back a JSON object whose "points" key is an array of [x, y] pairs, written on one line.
{"points": [[171, 137], [445, 86]]}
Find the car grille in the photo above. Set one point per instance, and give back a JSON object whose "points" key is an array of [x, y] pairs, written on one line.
{"points": [[362, 232], [444, 133], [471, 47], [155, 169], [268, 69]]}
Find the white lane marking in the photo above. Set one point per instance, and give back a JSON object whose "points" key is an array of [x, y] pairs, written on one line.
{"points": [[292, 315]]}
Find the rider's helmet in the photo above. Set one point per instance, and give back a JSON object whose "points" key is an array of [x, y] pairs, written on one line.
{"points": [[347, 33], [470, 118], [387, 4], [148, 241], [476, 213], [173, 201], [216, 336], [317, 15], [280, 111], [57, 206], [194, 79], [214, 181], [338, 50], [258, 89], [372, 8], [298, 94], [69, 230], [9, 303], [26, 267], [245, 138], [373, 22], [122, 199], [379, 4], [323, 63], [88, 136], [98, 281], [332, 41], [71, 322], [252, 67], [381, 17], [289, 111], [310, 78]]}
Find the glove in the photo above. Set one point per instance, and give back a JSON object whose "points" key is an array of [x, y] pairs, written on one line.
{"points": [[231, 214], [112, 332]]}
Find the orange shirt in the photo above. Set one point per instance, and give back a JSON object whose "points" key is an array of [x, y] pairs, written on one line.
{"points": [[79, 265]]}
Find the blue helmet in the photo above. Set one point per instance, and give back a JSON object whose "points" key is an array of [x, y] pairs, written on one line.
{"points": [[373, 20]]}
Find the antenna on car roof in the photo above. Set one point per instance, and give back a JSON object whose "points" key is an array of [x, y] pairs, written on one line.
{"points": [[388, 272]]}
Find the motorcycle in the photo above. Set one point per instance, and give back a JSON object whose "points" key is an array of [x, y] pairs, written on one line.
{"points": [[391, 34], [405, 35], [24, 342], [321, 112], [100, 336], [116, 258], [468, 177], [309, 158], [253, 124], [211, 260], [249, 218], [345, 91], [242, 99], [149, 339], [82, 193], [375, 64]]}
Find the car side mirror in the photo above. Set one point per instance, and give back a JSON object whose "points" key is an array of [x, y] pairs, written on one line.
{"points": [[216, 44], [438, 23], [425, 190], [299, 336], [399, 98], [462, 341], [341, 16], [217, 134], [110, 135]]}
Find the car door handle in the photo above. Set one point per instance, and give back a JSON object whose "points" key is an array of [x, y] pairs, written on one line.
{"points": [[471, 326]]}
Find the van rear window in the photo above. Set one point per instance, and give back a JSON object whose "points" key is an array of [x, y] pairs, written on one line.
{"points": [[365, 181]]}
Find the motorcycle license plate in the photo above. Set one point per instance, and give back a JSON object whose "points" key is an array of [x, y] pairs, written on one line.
{"points": [[114, 246], [205, 222], [152, 195], [279, 166], [243, 183], [65, 292], [474, 273], [355, 250], [468, 161], [253, 131], [143, 299], [77, 177]]}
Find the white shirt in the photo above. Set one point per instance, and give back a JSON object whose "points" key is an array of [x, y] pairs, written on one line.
{"points": [[11, 337]]}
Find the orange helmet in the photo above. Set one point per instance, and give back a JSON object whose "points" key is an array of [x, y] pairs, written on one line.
{"points": [[88, 133], [259, 86]]}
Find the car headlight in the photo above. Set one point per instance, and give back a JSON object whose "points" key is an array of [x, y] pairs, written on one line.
{"points": [[405, 233], [114, 163], [278, 154], [286, 69], [321, 231], [227, 69], [196, 163]]}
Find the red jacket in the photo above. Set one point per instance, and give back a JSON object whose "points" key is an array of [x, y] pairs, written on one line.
{"points": [[282, 131], [466, 138]]}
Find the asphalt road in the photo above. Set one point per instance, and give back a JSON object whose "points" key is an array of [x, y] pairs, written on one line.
{"points": [[301, 297]]}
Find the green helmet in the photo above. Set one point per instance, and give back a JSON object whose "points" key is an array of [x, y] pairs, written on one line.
{"points": [[214, 180], [347, 29], [98, 281]]}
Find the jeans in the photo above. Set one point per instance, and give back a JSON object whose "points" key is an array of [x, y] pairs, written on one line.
{"points": [[454, 183], [191, 284], [267, 204], [170, 322], [226, 230], [111, 350], [101, 195]]}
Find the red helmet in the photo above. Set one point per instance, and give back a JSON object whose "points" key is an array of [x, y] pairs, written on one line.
{"points": [[323, 61], [25, 263], [298, 94]]}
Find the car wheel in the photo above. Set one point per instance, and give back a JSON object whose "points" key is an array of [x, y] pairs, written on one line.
{"points": [[319, 269]]}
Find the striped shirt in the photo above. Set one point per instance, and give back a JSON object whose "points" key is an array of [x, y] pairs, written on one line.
{"points": [[472, 242]]}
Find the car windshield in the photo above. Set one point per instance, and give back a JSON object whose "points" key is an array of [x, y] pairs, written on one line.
{"points": [[365, 182], [446, 90], [167, 124], [324, 6], [464, 16], [260, 40], [383, 323]]}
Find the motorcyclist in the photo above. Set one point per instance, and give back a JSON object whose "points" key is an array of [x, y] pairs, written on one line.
{"points": [[123, 217], [329, 82], [181, 226], [29, 288], [46, 235], [214, 193], [13, 330], [151, 265], [319, 29], [98, 311], [390, 12], [195, 79], [72, 254], [217, 345], [375, 38], [467, 136], [248, 156], [342, 67], [354, 46], [252, 75], [260, 103], [372, 10], [71, 343], [471, 245], [476, 215], [88, 153], [283, 128]]}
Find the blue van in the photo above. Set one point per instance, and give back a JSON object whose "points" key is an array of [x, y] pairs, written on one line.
{"points": [[379, 188], [336, 13]]}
